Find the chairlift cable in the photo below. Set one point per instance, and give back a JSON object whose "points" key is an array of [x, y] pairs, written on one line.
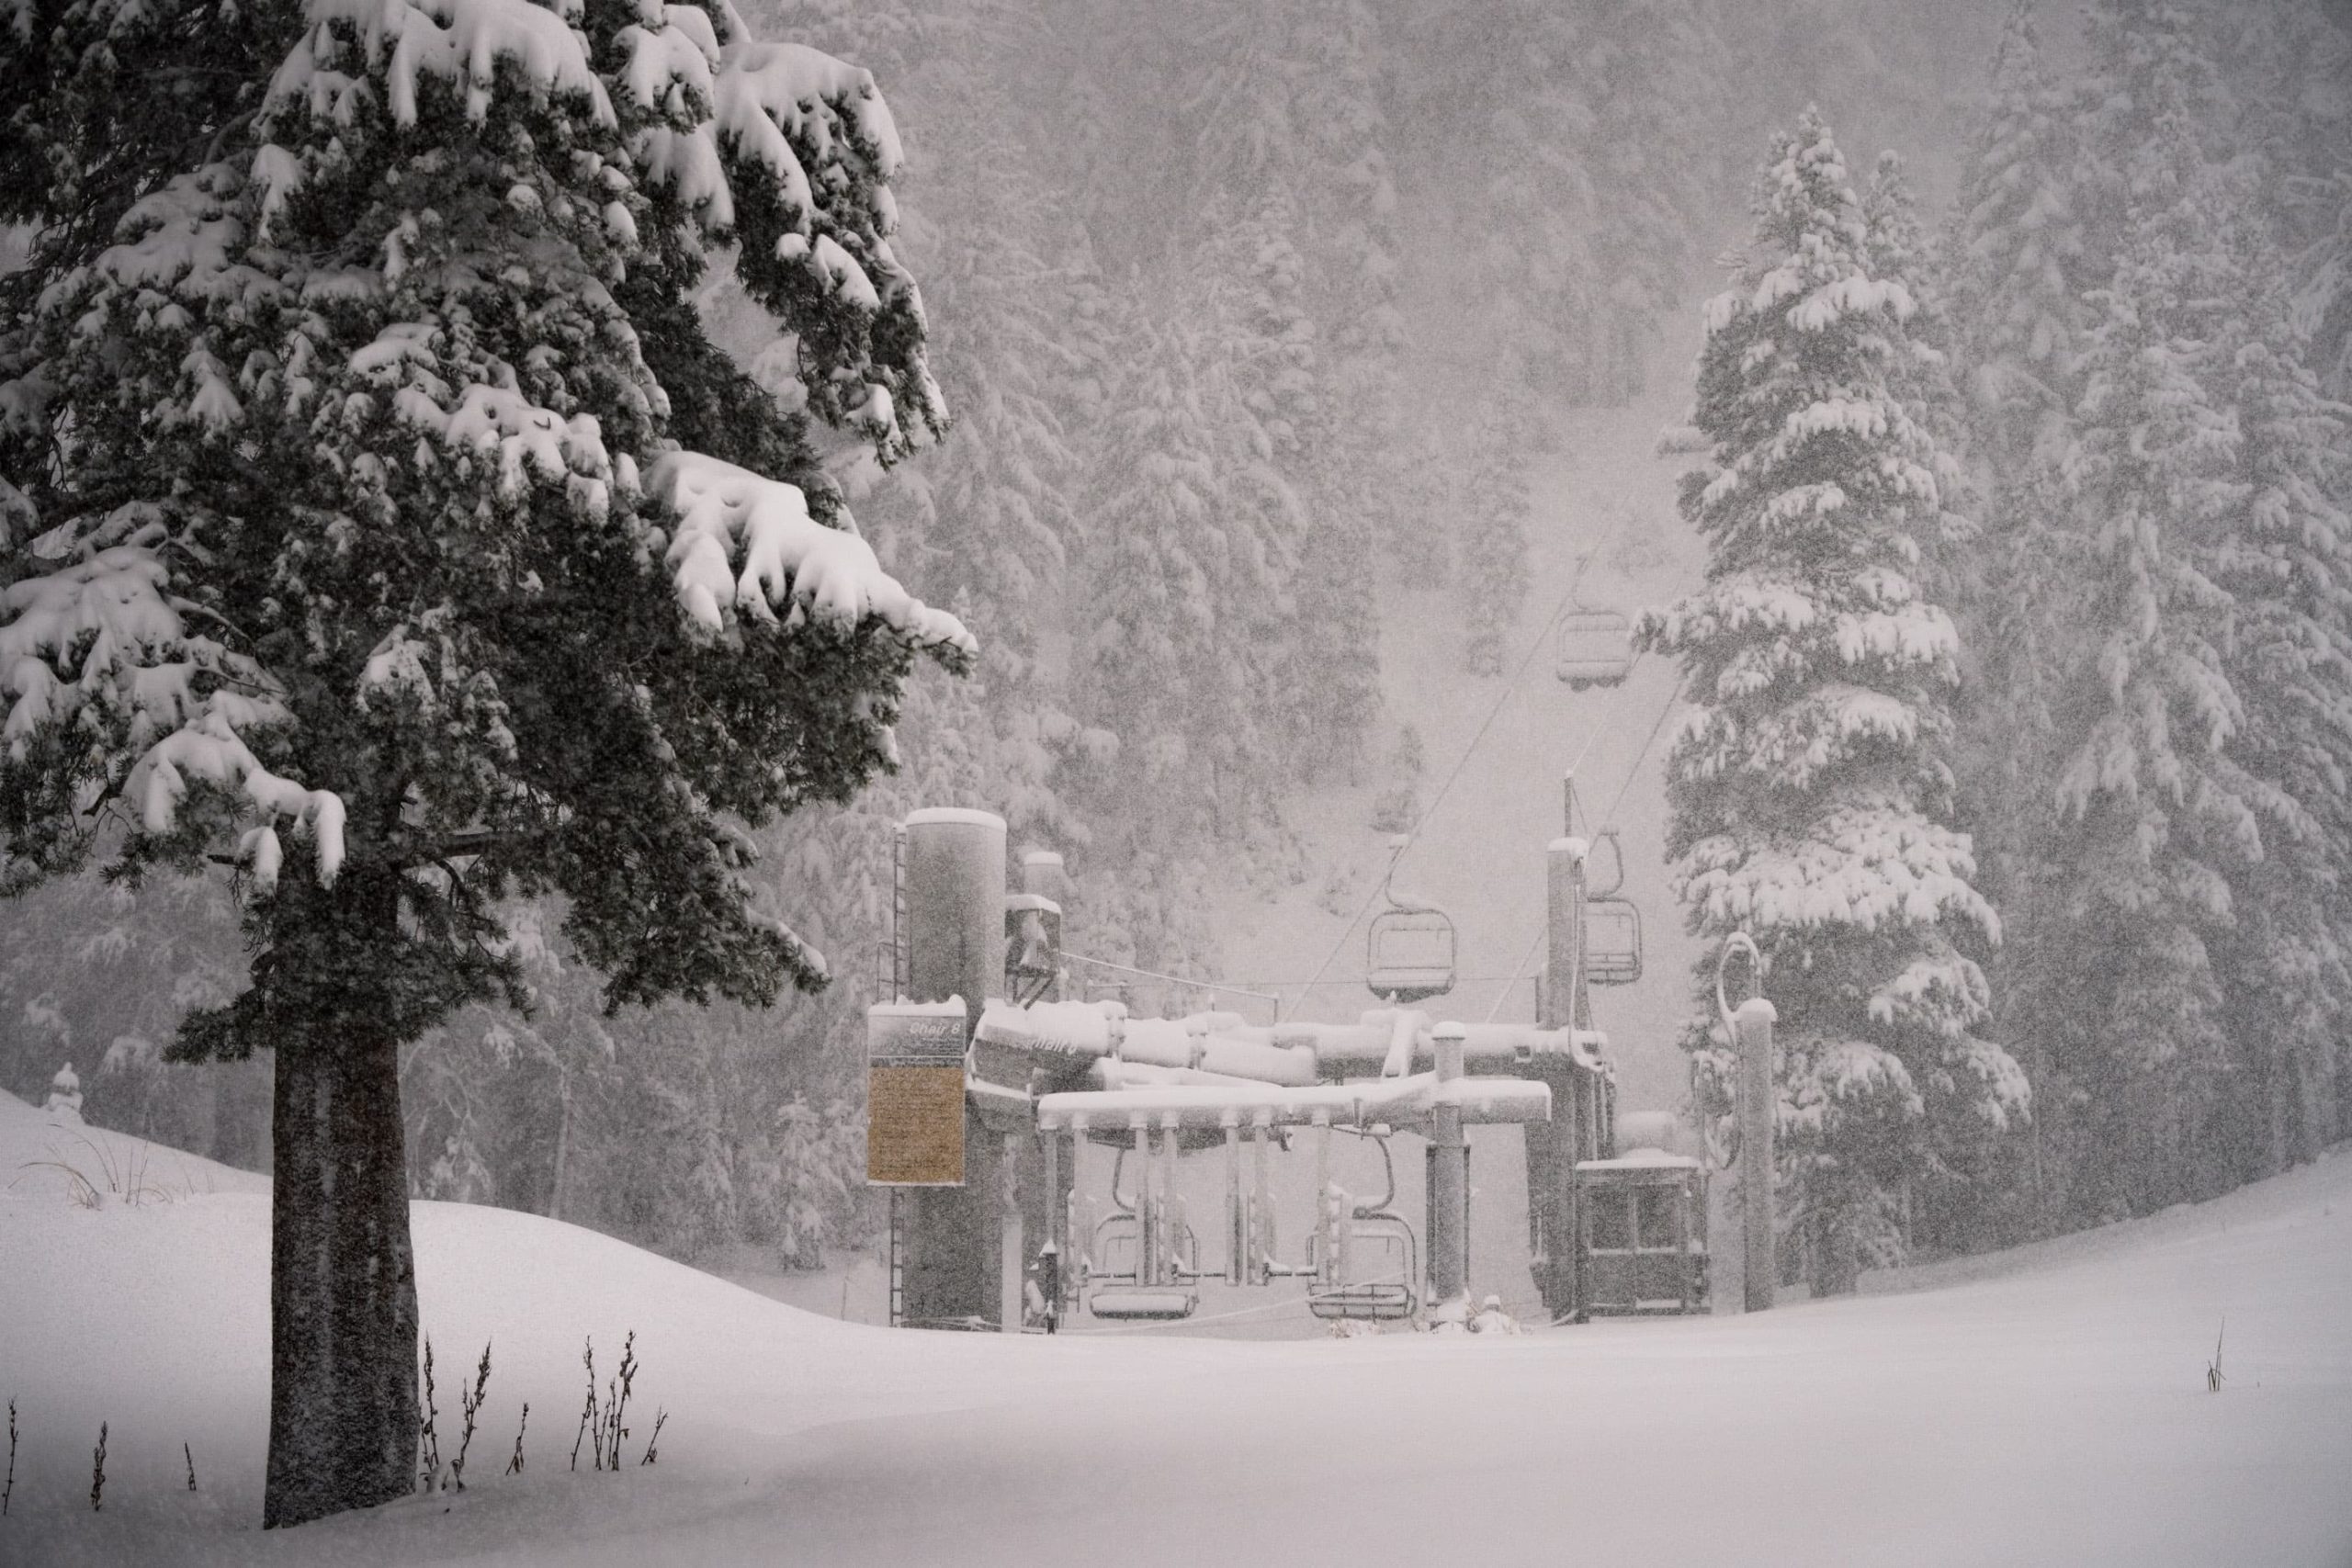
{"points": [[1630, 774], [1609, 817], [1543, 637]]}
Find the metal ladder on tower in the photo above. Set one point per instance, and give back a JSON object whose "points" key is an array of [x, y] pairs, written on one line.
{"points": [[897, 1257]]}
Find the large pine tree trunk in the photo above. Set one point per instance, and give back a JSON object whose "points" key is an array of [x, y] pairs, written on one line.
{"points": [[343, 1403]]}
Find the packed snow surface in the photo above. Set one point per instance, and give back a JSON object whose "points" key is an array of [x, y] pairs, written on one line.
{"points": [[2050, 1407]]}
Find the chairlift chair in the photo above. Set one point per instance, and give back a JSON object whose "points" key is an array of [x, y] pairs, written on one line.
{"points": [[1408, 949], [1383, 1259], [1595, 649], [1409, 955], [1612, 941], [1122, 1297], [1612, 926], [1130, 1303]]}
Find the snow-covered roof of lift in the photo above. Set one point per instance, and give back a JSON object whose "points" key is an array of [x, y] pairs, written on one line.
{"points": [[1575, 846], [964, 814], [952, 1008]]}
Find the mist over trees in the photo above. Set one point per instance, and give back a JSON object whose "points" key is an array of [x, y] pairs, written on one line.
{"points": [[1186, 270]]}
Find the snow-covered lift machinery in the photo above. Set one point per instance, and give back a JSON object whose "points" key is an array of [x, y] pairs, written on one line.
{"points": [[991, 1205], [1643, 1235], [1409, 948], [1143, 1260], [1596, 648]]}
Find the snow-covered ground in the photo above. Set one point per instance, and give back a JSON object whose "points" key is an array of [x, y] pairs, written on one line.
{"points": [[2053, 1410]]}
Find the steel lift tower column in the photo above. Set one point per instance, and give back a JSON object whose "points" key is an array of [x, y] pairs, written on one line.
{"points": [[1573, 1134], [954, 872]]}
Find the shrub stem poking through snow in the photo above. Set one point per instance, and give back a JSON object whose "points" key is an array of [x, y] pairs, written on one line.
{"points": [[428, 1470], [9, 1488], [2213, 1367], [587, 1411], [98, 1472], [653, 1443], [514, 1465], [189, 1454], [469, 1401], [616, 1404]]}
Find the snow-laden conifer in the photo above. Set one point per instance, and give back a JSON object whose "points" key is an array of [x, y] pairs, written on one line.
{"points": [[2017, 252], [2285, 562], [1491, 578], [373, 562], [1811, 787]]}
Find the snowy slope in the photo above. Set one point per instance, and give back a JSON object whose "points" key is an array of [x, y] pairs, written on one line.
{"points": [[2054, 1415]]}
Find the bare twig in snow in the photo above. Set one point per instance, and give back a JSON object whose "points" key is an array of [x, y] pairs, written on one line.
{"points": [[428, 1477], [587, 1411], [469, 1401], [653, 1443]]}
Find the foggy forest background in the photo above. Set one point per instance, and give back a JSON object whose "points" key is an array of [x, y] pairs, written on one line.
{"points": [[1191, 267]]}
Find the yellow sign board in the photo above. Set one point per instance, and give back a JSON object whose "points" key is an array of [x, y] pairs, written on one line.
{"points": [[914, 1094], [915, 1126]]}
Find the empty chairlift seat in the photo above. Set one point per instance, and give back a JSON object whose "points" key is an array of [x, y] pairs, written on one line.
{"points": [[1377, 1264], [1612, 941], [1134, 1303], [1596, 648], [1409, 955]]}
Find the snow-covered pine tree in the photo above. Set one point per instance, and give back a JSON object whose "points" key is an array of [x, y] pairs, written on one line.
{"points": [[1540, 209], [1920, 371], [811, 1177], [2017, 261], [1316, 642], [1159, 669], [2147, 816], [1968, 1206], [1811, 791], [2324, 301], [2286, 563], [2015, 255], [1645, 70], [2289, 130], [403, 591], [112, 965], [2149, 112], [1490, 577]]}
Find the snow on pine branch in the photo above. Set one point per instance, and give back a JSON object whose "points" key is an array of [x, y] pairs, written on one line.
{"points": [[1844, 1075], [811, 148], [772, 95], [523, 436], [101, 644], [745, 544], [1869, 866], [814, 128], [460, 41]]}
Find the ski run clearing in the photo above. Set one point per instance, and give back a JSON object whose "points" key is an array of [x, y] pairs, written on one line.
{"points": [[2049, 1407]]}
